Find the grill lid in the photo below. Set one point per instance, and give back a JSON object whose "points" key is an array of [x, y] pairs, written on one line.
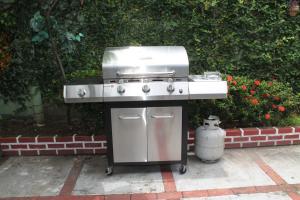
{"points": [[146, 61]]}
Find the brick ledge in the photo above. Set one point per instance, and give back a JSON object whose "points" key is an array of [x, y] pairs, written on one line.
{"points": [[92, 145]]}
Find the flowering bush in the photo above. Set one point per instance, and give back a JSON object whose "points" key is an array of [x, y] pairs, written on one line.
{"points": [[250, 103]]}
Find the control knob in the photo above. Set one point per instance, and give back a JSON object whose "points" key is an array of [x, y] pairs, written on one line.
{"points": [[120, 89], [146, 88], [170, 88], [81, 92]]}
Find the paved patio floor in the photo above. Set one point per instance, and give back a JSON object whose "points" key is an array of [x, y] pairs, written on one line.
{"points": [[242, 174]]}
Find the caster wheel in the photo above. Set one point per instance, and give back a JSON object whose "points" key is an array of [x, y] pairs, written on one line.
{"points": [[109, 171], [182, 169]]}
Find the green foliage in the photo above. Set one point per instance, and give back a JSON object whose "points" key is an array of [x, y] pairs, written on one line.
{"points": [[249, 103], [253, 38]]}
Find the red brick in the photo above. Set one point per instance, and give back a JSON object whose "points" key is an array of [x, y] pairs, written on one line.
{"points": [[268, 188], [251, 131], [192, 134], [233, 145], [285, 130], [104, 144], [64, 152], [3, 146], [258, 138], [277, 137], [297, 129], [37, 146], [241, 139], [147, 196], [45, 139], [169, 195], [197, 193], [99, 137], [268, 131], [84, 151], [100, 151], [233, 132], [296, 136], [19, 146], [54, 146], [118, 197], [74, 145], [29, 152], [47, 152], [10, 153], [8, 140], [83, 138], [244, 190], [264, 144], [26, 139], [89, 145], [228, 140], [219, 192], [286, 142], [191, 141], [64, 139], [249, 144], [296, 142]]}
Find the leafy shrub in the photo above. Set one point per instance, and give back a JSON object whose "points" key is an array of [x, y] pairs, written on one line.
{"points": [[250, 102]]}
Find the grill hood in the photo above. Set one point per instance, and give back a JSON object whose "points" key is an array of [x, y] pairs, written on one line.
{"points": [[146, 61]]}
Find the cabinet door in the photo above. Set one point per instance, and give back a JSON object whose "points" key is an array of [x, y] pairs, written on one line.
{"points": [[164, 133], [129, 134]]}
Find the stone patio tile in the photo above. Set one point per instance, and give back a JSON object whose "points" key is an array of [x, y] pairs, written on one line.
{"points": [[33, 176], [125, 179], [235, 169], [284, 160], [257, 196]]}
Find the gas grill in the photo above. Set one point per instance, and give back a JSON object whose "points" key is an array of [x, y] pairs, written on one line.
{"points": [[145, 91]]}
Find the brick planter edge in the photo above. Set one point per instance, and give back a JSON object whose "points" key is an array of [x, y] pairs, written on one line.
{"points": [[96, 145]]}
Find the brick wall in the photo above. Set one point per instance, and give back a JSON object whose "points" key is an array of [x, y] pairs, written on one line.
{"points": [[90, 145]]}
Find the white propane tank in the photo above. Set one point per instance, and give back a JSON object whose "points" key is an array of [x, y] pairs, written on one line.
{"points": [[209, 141]]}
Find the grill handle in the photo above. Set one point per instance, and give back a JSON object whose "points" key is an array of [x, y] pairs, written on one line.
{"points": [[129, 117], [162, 116], [122, 74]]}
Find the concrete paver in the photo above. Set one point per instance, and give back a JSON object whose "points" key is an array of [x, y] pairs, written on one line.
{"points": [[284, 160], [257, 196], [125, 180], [235, 169], [33, 176]]}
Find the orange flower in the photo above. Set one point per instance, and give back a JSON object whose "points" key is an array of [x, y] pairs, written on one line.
{"points": [[266, 95], [254, 101], [257, 82], [281, 108], [277, 98], [244, 87], [229, 78], [274, 106], [234, 82], [267, 116], [270, 83], [252, 92]]}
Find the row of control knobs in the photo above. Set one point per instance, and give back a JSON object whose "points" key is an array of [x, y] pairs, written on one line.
{"points": [[146, 89]]}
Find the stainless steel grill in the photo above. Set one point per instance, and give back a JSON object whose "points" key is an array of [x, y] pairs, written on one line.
{"points": [[145, 91]]}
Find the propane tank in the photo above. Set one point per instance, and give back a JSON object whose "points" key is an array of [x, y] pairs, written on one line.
{"points": [[209, 141]]}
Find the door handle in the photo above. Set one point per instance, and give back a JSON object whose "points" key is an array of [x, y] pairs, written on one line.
{"points": [[129, 117], [162, 116]]}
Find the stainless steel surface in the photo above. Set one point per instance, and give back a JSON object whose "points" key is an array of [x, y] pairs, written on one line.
{"points": [[129, 134], [146, 61], [83, 93], [164, 133], [155, 90], [210, 89]]}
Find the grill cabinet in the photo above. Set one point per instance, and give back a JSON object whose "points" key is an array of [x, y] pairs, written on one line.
{"points": [[145, 92]]}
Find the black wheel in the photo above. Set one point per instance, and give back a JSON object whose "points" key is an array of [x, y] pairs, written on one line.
{"points": [[109, 171], [182, 169]]}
